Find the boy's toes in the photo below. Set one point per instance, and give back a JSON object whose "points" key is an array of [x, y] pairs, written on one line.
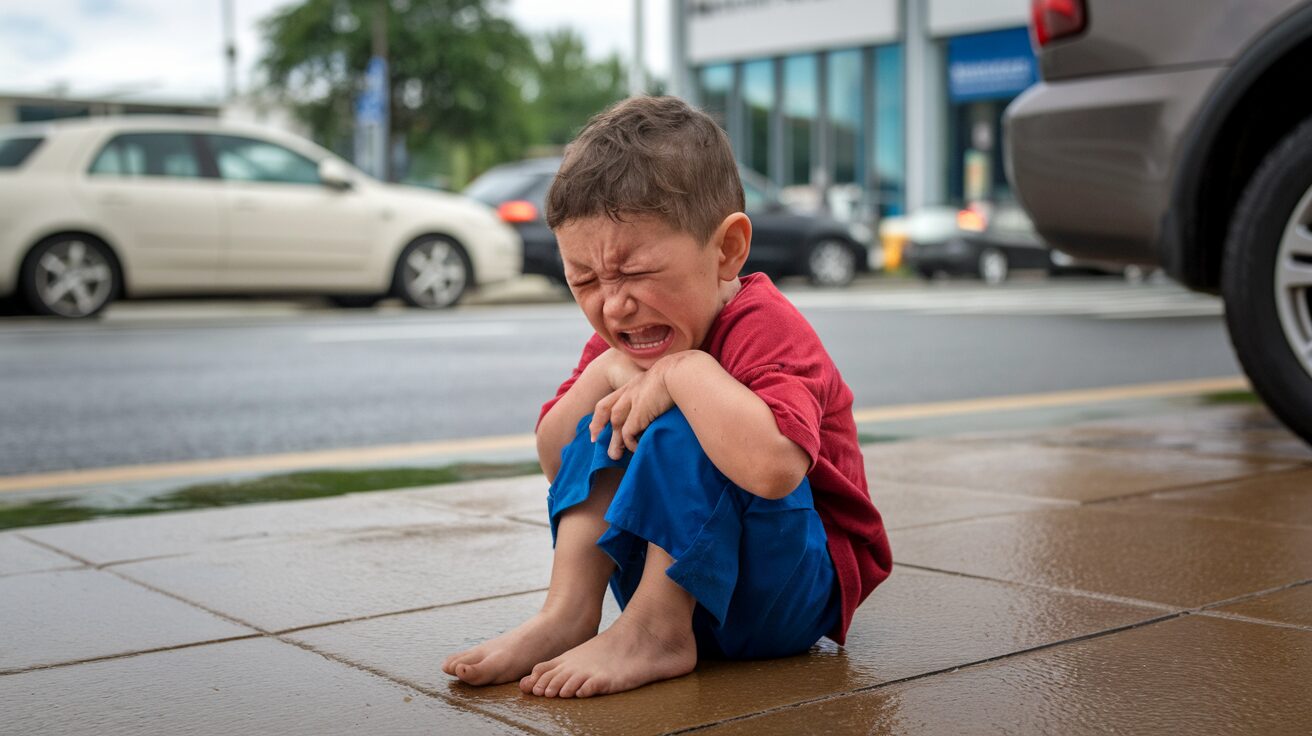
{"points": [[545, 682], [571, 685], [473, 674]]}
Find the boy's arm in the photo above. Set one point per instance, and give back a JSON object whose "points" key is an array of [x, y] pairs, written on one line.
{"points": [[735, 427], [599, 378]]}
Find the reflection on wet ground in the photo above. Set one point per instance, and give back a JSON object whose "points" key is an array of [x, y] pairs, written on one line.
{"points": [[1142, 574]]}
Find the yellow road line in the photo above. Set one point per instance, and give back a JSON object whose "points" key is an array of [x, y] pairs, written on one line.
{"points": [[318, 458], [1055, 398]]}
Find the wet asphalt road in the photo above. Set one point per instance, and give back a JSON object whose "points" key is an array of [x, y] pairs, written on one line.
{"points": [[149, 388]]}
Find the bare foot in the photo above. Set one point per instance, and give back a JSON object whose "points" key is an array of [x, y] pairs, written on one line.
{"points": [[630, 654], [512, 655]]}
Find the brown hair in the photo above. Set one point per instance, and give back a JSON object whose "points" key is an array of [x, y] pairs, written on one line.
{"points": [[649, 156]]}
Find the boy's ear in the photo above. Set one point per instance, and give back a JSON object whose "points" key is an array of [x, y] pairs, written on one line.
{"points": [[734, 239]]}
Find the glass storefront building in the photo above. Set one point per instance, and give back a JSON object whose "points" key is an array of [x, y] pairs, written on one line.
{"points": [[893, 104], [822, 118]]}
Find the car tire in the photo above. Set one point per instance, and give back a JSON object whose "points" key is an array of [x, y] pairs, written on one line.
{"points": [[433, 272], [925, 273], [355, 301], [70, 276], [831, 263], [992, 266], [1267, 280]]}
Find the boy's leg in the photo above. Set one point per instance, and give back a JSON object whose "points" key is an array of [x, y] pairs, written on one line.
{"points": [[572, 611], [652, 640]]}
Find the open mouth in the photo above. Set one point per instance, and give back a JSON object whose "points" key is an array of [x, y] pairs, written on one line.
{"points": [[647, 340]]}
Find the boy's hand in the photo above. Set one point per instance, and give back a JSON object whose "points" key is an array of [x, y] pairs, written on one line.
{"points": [[617, 367], [634, 406]]}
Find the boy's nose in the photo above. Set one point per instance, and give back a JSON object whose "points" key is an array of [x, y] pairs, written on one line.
{"points": [[618, 303]]}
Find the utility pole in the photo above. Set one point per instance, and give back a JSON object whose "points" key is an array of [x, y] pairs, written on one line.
{"points": [[384, 140], [229, 53], [637, 71]]}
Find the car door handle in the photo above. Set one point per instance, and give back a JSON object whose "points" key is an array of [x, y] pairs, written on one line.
{"points": [[247, 203], [114, 200]]}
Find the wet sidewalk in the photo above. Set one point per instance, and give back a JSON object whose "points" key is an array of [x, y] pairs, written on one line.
{"points": [[1146, 575]]}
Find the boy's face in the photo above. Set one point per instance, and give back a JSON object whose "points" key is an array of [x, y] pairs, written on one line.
{"points": [[648, 289]]}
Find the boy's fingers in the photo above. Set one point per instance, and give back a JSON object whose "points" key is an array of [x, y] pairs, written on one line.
{"points": [[601, 415]]}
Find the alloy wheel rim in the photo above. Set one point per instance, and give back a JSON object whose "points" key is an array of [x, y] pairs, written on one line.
{"points": [[73, 279], [1293, 282], [435, 274], [993, 267], [832, 263]]}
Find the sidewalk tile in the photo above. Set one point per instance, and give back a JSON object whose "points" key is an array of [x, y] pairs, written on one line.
{"points": [[917, 622], [1068, 473], [332, 577], [114, 540], [1288, 606], [17, 555], [524, 496], [1277, 498], [73, 615], [1195, 675], [912, 504], [255, 686], [1175, 560]]}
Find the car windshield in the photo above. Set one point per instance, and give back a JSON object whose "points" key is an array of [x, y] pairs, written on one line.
{"points": [[14, 151], [495, 187]]}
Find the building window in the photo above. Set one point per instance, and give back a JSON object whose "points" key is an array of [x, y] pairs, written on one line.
{"points": [[758, 105], [801, 103], [714, 85], [890, 163], [845, 106]]}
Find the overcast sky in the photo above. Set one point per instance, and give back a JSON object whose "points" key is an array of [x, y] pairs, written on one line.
{"points": [[173, 48]]}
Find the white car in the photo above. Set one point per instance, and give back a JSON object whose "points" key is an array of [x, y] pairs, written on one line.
{"points": [[97, 209]]}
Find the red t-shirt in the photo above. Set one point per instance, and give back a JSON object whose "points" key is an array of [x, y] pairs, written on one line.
{"points": [[761, 340]]}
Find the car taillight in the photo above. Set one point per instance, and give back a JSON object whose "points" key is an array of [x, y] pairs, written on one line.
{"points": [[517, 211], [971, 220], [1054, 19]]}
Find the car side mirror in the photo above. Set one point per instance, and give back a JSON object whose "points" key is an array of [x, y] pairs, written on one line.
{"points": [[334, 174]]}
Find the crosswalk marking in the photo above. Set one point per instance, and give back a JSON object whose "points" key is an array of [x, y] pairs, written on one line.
{"points": [[1099, 301]]}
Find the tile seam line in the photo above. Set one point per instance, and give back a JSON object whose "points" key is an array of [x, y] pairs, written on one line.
{"points": [[924, 675], [256, 463], [1278, 469], [396, 679], [1077, 592], [420, 609], [126, 655]]}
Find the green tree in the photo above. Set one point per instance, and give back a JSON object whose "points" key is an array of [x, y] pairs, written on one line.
{"points": [[456, 70], [568, 87]]}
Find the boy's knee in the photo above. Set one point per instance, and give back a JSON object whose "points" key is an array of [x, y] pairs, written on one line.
{"points": [[672, 422]]}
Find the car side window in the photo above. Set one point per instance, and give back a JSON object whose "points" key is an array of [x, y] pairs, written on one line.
{"points": [[148, 154], [249, 159]]}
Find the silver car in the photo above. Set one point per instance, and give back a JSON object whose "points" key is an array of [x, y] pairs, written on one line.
{"points": [[1179, 133]]}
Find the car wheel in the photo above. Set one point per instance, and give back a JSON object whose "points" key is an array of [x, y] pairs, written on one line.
{"points": [[432, 273], [1267, 280], [70, 276], [355, 301], [993, 266], [925, 273], [831, 263]]}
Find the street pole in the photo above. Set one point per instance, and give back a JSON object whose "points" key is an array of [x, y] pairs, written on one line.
{"points": [[229, 52], [637, 72], [383, 141]]}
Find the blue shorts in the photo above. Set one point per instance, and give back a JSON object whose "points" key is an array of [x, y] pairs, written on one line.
{"points": [[759, 569]]}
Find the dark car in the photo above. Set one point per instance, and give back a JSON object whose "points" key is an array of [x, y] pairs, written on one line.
{"points": [[784, 242], [991, 240], [1179, 133]]}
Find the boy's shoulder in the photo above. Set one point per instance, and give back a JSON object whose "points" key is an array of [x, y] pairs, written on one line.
{"points": [[760, 319]]}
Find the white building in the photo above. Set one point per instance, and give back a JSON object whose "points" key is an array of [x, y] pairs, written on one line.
{"points": [[897, 101]]}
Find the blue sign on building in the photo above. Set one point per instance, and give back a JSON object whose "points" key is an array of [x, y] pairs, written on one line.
{"points": [[986, 66]]}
